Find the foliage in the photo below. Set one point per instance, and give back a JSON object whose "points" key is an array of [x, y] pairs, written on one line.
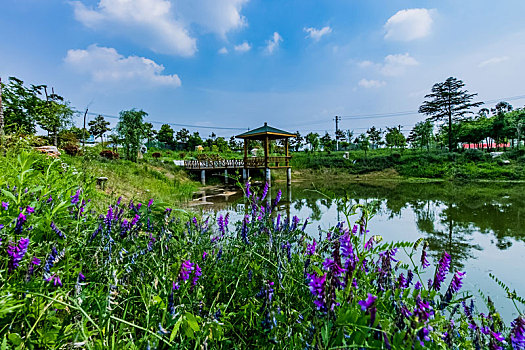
{"points": [[109, 154], [20, 106], [394, 138], [131, 130], [448, 101], [98, 127], [165, 134], [146, 275]]}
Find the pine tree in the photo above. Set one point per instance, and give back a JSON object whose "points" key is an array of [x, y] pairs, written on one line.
{"points": [[448, 101]]}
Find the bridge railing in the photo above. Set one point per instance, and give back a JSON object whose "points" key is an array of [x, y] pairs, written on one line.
{"points": [[251, 163]]}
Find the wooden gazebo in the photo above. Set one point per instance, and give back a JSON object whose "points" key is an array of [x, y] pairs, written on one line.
{"points": [[266, 134]]}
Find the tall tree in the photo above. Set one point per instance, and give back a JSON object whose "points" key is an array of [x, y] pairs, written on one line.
{"points": [[448, 101], [326, 142], [296, 142], [421, 134], [364, 142], [149, 132], [165, 134], [54, 114], [375, 136], [313, 140], [183, 135], [131, 130], [98, 127], [19, 106], [394, 138]]}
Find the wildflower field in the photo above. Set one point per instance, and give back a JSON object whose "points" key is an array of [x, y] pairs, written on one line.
{"points": [[145, 275]]}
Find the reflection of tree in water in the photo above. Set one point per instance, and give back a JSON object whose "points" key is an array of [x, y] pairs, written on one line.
{"points": [[314, 206], [455, 238]]}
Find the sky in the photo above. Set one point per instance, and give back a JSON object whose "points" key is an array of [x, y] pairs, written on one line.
{"points": [[225, 66]]}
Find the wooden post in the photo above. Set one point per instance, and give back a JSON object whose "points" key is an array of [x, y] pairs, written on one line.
{"points": [[289, 176], [286, 151]]}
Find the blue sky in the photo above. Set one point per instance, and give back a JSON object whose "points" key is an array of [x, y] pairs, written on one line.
{"points": [[239, 63]]}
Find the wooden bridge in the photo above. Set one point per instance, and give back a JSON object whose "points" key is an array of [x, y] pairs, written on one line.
{"points": [[248, 163], [264, 134]]}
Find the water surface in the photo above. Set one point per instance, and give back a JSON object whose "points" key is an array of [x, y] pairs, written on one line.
{"points": [[482, 226]]}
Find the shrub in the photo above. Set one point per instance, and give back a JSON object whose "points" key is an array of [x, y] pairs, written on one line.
{"points": [[71, 149], [156, 155], [109, 154]]}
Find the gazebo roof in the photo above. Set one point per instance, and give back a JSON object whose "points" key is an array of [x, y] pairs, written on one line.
{"points": [[265, 131]]}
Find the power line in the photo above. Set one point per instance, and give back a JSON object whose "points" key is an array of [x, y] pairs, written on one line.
{"points": [[172, 124]]}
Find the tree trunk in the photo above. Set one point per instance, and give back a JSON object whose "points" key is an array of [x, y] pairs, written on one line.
{"points": [[450, 131]]}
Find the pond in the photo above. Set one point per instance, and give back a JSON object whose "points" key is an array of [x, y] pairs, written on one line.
{"points": [[481, 225]]}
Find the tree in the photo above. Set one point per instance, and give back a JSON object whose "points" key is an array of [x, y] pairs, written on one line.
{"points": [[165, 134], [98, 127], [54, 114], [375, 136], [194, 140], [326, 142], [448, 101], [313, 140], [131, 130], [349, 135], [183, 135], [115, 140], [296, 142], [364, 142], [394, 138], [19, 106], [149, 132], [421, 134]]}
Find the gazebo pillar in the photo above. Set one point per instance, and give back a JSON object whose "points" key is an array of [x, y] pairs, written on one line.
{"points": [[287, 163], [266, 163], [244, 170]]}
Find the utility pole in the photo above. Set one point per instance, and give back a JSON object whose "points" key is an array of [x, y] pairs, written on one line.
{"points": [[84, 132], [337, 119]]}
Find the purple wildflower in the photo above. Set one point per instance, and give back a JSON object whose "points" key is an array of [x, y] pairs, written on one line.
{"points": [[402, 281], [54, 279], [30, 210], [410, 277], [265, 191], [220, 223], [304, 225], [81, 277], [34, 262], [19, 223], [49, 200], [150, 203], [346, 246], [135, 220], [517, 333], [354, 229], [17, 253], [248, 192], [57, 230], [442, 270], [196, 275], [185, 270], [366, 304], [74, 198], [370, 243], [204, 254], [5, 205], [455, 284], [310, 248], [316, 286], [422, 311], [278, 197], [331, 265]]}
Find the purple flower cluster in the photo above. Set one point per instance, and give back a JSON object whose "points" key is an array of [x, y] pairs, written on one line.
{"points": [[75, 197], [186, 270], [424, 261], [317, 287], [442, 270], [265, 191], [517, 333], [368, 305], [17, 253], [310, 248], [57, 230], [5, 205]]}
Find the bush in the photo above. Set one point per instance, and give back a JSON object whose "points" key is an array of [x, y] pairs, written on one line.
{"points": [[71, 149], [109, 154], [156, 155]]}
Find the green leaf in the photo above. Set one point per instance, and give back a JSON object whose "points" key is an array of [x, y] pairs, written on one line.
{"points": [[15, 338], [192, 322], [9, 195], [175, 329]]}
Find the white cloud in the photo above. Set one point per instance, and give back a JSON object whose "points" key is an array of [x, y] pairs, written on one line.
{"points": [[371, 83], [493, 60], [409, 24], [223, 51], [273, 43], [244, 47], [396, 65], [365, 64], [316, 34], [106, 65], [163, 25], [213, 16]]}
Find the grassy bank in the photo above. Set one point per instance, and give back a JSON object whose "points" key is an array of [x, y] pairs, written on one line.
{"points": [[467, 165], [139, 181]]}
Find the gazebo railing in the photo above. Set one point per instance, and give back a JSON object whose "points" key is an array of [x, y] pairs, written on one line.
{"points": [[250, 163]]}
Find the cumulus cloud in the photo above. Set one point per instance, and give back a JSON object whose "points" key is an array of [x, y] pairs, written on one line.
{"points": [[396, 65], [371, 83], [223, 51], [409, 24], [316, 34], [106, 65], [213, 16], [244, 47], [273, 43], [162, 25], [365, 64], [493, 60]]}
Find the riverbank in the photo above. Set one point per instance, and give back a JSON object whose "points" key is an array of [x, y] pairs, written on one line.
{"points": [[413, 165]]}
